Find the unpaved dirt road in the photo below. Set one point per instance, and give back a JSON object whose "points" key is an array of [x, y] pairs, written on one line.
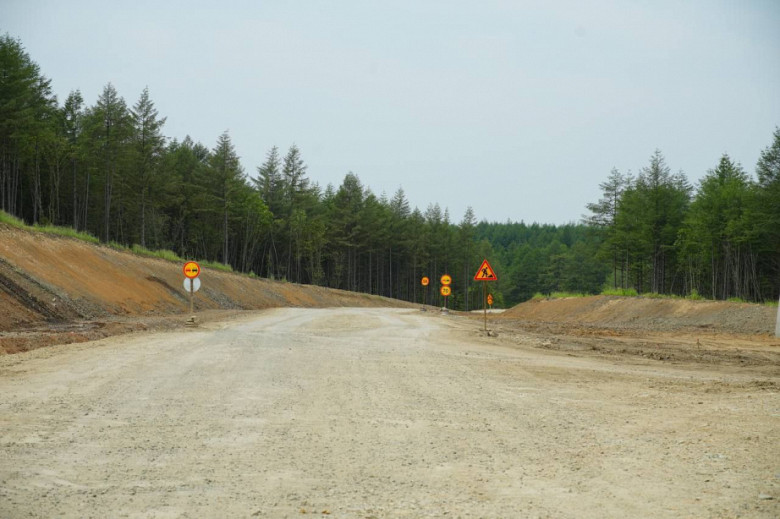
{"points": [[378, 413]]}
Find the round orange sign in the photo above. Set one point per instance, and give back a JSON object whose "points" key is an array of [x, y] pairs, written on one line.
{"points": [[445, 290], [425, 281], [490, 299], [446, 280], [191, 269]]}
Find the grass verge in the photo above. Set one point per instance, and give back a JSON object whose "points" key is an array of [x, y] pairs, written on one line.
{"points": [[626, 292], [558, 295]]}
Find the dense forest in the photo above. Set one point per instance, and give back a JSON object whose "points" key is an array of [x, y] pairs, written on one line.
{"points": [[107, 169]]}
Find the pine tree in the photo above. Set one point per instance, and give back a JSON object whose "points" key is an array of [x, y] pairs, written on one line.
{"points": [[295, 186], [147, 144], [466, 241], [27, 115], [269, 182], [767, 217], [649, 217], [73, 122], [107, 125], [715, 236], [603, 217], [227, 177]]}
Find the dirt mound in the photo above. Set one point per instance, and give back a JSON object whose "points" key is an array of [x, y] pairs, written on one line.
{"points": [[50, 283], [640, 313]]}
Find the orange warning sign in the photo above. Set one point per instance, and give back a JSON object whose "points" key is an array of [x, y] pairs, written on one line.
{"points": [[445, 290], [490, 299], [446, 279], [425, 281], [485, 273], [191, 269]]}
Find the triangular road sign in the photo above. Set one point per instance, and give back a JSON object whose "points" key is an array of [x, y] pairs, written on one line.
{"points": [[485, 273]]}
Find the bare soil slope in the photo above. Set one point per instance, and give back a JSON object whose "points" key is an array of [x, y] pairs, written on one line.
{"points": [[640, 313], [55, 290], [662, 329]]}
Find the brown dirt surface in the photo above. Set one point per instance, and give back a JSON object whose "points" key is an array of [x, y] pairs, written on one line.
{"points": [[362, 413], [661, 329], [56, 290], [642, 313]]}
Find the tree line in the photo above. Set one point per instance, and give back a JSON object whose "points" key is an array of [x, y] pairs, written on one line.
{"points": [[720, 240], [107, 169]]}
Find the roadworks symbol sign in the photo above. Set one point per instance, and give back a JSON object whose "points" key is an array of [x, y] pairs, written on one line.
{"points": [[485, 273]]}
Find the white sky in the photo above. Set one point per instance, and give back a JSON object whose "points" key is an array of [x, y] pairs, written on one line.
{"points": [[517, 108]]}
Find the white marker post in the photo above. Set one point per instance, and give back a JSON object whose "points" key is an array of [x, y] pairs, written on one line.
{"points": [[777, 326]]}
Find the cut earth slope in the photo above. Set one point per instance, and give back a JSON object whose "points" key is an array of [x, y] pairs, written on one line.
{"points": [[58, 290]]}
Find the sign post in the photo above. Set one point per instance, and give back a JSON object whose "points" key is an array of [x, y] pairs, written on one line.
{"points": [[191, 273], [424, 282], [485, 273], [484, 306], [445, 290]]}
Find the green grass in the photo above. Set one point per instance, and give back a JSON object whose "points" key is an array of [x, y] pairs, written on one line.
{"points": [[695, 296], [630, 292], [118, 246], [67, 232], [11, 220], [216, 266], [558, 295], [626, 292], [162, 253]]}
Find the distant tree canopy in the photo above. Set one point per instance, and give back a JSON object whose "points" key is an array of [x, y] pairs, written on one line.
{"points": [[721, 240], [107, 169]]}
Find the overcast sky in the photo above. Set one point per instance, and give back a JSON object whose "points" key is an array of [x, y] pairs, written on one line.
{"points": [[516, 108]]}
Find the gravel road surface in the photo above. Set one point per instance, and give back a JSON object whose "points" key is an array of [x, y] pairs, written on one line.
{"points": [[378, 413]]}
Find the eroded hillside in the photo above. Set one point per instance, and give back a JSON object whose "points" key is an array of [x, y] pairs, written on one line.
{"points": [[55, 289]]}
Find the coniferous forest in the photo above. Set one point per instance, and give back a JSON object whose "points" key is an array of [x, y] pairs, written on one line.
{"points": [[104, 167]]}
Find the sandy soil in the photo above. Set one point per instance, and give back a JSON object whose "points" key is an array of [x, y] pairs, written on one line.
{"points": [[380, 413]]}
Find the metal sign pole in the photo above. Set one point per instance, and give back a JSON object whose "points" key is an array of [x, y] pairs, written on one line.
{"points": [[192, 295], [484, 303]]}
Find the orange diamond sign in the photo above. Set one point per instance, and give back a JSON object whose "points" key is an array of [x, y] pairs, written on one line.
{"points": [[485, 273]]}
